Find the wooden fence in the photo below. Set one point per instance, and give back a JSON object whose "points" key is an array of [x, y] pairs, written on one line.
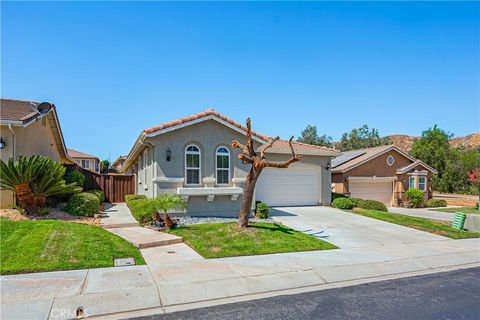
{"points": [[115, 186]]}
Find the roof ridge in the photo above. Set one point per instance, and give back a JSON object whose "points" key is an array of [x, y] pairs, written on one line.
{"points": [[20, 100]]}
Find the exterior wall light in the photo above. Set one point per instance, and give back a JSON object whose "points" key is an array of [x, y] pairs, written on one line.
{"points": [[328, 166], [169, 154], [2, 143]]}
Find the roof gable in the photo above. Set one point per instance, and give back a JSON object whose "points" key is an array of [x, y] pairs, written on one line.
{"points": [[77, 154]]}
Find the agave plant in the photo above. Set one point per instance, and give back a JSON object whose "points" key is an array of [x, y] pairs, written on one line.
{"points": [[17, 176], [50, 182], [167, 202]]}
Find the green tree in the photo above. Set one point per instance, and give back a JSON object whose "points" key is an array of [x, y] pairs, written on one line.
{"points": [[309, 135], [104, 166], [360, 138], [167, 202]]}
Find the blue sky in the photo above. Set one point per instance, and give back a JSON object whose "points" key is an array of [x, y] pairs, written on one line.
{"points": [[114, 68]]}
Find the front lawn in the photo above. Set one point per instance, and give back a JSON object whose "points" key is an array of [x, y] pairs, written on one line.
{"points": [[455, 210], [48, 245], [218, 240], [442, 228]]}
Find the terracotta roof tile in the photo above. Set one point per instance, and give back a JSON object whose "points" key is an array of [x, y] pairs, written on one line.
{"points": [[199, 115], [299, 147]]}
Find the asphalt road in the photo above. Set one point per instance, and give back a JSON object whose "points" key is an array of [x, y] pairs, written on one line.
{"points": [[449, 295]]}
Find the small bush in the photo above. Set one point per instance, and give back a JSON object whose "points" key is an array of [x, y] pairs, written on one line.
{"points": [[336, 195], [343, 203], [262, 211], [129, 197], [99, 194], [85, 204], [143, 209], [76, 176], [415, 197], [43, 211], [435, 203], [372, 205], [357, 202]]}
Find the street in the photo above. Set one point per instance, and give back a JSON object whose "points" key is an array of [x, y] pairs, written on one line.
{"points": [[448, 295]]}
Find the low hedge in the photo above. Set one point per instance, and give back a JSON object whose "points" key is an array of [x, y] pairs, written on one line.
{"points": [[84, 204], [372, 205], [142, 208], [435, 203], [343, 203], [336, 195], [99, 194], [129, 197]]}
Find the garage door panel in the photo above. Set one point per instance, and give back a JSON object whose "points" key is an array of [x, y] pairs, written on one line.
{"points": [[372, 190], [288, 187]]}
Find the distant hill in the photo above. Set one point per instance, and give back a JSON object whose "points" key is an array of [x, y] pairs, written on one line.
{"points": [[405, 142]]}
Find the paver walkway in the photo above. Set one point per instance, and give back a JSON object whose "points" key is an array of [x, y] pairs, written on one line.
{"points": [[169, 284]]}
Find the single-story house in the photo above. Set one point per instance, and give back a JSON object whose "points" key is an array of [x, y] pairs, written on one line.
{"points": [[29, 128], [85, 160], [192, 157], [381, 173]]}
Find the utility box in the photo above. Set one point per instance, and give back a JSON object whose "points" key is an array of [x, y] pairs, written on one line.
{"points": [[459, 220]]}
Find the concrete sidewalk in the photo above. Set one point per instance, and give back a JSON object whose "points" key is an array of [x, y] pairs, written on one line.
{"points": [[117, 216], [423, 213]]}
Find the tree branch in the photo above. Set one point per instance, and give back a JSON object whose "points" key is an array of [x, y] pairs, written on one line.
{"points": [[251, 151], [236, 144], [269, 145], [244, 158], [286, 163]]}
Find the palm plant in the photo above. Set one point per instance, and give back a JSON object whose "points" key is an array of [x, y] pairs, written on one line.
{"points": [[50, 182], [17, 176], [167, 202]]}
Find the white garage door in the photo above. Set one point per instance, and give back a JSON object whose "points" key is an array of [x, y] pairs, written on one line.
{"points": [[288, 187], [372, 190]]}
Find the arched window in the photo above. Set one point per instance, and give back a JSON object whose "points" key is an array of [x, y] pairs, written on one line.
{"points": [[222, 156], [192, 165]]}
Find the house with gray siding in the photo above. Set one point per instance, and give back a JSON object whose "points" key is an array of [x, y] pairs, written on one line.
{"points": [[192, 157]]}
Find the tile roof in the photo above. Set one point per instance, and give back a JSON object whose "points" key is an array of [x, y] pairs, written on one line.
{"points": [[77, 154], [413, 165], [281, 146], [368, 154], [209, 112], [18, 110]]}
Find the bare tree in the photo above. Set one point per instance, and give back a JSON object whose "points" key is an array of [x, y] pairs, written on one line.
{"points": [[258, 162]]}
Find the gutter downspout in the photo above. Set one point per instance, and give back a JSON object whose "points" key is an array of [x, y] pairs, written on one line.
{"points": [[14, 140]]}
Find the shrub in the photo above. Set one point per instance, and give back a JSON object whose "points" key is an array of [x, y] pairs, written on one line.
{"points": [[143, 209], [415, 197], [262, 210], [357, 202], [435, 203], [99, 194], [336, 195], [76, 176], [343, 203], [43, 211], [129, 197], [84, 203], [372, 205]]}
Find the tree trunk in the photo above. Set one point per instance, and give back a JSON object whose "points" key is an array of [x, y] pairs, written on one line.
{"points": [[25, 196], [249, 189], [39, 201]]}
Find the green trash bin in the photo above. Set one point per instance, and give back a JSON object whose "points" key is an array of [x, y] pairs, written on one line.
{"points": [[459, 220]]}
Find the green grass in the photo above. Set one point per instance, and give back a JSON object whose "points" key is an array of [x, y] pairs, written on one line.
{"points": [[218, 240], [47, 245], [454, 210], [442, 228]]}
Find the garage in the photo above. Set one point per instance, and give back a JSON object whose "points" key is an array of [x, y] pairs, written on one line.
{"points": [[288, 187], [380, 190]]}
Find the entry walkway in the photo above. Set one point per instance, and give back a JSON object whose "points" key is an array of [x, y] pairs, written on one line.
{"points": [[117, 216], [423, 213]]}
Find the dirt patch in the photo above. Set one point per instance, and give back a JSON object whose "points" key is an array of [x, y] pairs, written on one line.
{"points": [[55, 214]]}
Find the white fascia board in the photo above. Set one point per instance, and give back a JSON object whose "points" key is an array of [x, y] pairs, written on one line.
{"points": [[209, 117]]}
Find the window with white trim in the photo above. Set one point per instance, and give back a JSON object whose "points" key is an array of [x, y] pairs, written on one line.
{"points": [[192, 165], [411, 182], [86, 164], [390, 160], [422, 183], [222, 156]]}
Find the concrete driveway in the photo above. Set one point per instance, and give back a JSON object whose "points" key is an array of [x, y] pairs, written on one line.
{"points": [[348, 230]]}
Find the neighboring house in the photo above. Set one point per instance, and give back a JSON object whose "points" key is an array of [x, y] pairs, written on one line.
{"points": [[84, 160], [192, 157], [29, 128], [118, 163], [381, 173]]}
